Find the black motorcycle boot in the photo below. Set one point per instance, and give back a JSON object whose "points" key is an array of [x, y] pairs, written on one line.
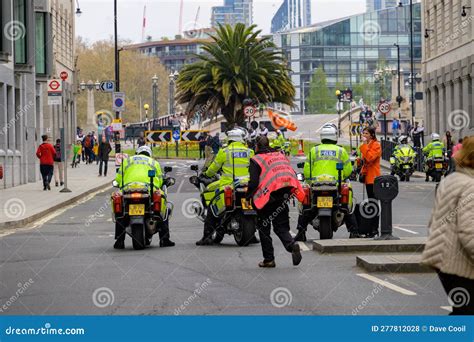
{"points": [[166, 243], [267, 264], [296, 254], [120, 242]]}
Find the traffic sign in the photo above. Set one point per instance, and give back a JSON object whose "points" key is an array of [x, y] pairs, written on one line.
{"points": [[191, 135], [119, 157], [107, 86], [64, 75], [118, 102], [249, 111], [356, 129], [157, 136], [117, 125], [176, 134], [384, 108], [54, 86]]}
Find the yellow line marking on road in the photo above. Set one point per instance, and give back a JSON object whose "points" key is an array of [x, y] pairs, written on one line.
{"points": [[386, 284]]}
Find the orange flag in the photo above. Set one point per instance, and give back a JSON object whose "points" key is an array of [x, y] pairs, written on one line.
{"points": [[279, 121]]}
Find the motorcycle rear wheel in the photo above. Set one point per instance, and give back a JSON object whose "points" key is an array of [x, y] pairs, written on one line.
{"points": [[325, 228], [138, 236], [246, 232]]}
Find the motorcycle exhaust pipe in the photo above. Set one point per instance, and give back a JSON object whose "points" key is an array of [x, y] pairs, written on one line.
{"points": [[339, 217]]}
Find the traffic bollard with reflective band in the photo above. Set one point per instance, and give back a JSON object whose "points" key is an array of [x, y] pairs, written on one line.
{"points": [[386, 190]]}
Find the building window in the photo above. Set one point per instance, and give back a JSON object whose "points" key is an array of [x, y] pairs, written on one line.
{"points": [[40, 47], [19, 15]]}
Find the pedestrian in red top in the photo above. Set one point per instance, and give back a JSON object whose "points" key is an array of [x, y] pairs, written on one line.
{"points": [[46, 154], [371, 152]]}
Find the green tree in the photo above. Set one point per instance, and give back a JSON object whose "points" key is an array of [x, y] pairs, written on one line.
{"points": [[320, 99], [237, 66]]}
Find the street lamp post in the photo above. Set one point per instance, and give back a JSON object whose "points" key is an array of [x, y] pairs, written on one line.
{"points": [[146, 107], [172, 76], [155, 96], [117, 77], [338, 95], [398, 71]]}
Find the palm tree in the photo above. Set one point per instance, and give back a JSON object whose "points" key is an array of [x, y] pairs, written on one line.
{"points": [[237, 66]]}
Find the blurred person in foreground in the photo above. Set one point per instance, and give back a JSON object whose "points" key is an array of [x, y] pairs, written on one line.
{"points": [[450, 246]]}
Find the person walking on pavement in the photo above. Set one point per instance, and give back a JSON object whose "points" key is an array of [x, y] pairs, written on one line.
{"points": [[202, 145], [58, 164], [80, 136], [141, 140], [46, 154], [417, 135], [450, 245], [449, 144], [272, 182], [263, 130], [371, 152], [103, 155]]}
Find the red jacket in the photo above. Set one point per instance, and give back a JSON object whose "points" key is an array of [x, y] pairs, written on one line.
{"points": [[46, 154], [371, 154]]}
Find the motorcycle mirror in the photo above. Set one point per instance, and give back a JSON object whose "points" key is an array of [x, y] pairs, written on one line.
{"points": [[300, 165], [193, 180], [168, 169], [339, 166], [300, 176], [151, 173], [171, 181], [115, 184], [194, 168]]}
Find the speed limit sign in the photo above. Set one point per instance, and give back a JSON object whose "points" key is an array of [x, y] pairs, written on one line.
{"points": [[384, 108], [249, 111]]}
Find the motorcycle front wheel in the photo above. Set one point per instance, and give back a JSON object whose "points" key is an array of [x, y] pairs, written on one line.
{"points": [[325, 227], [247, 230], [138, 236]]}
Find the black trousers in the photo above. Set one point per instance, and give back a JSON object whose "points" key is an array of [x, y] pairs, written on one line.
{"points": [[202, 149], [163, 230], [374, 222], [278, 215], [46, 174], [461, 292], [210, 224], [105, 162], [349, 220]]}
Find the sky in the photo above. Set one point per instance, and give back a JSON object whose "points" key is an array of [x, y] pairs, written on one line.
{"points": [[96, 21]]}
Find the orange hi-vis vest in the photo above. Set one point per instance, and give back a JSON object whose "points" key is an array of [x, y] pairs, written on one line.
{"points": [[276, 174]]}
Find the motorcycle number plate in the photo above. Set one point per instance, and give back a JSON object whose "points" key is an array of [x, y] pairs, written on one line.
{"points": [[136, 209], [246, 205], [439, 165], [324, 202], [406, 166]]}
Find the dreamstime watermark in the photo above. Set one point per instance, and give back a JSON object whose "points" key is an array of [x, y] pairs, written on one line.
{"points": [[281, 297], [458, 297], [457, 32], [21, 288], [192, 30], [459, 119], [369, 208], [17, 117], [197, 291], [14, 30], [103, 297], [452, 214], [14, 208], [192, 208], [46, 330], [377, 289], [370, 30], [105, 118]]}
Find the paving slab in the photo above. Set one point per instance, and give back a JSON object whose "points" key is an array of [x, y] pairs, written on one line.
{"points": [[393, 263], [409, 244]]}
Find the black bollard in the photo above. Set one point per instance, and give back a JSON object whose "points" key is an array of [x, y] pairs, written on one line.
{"points": [[386, 190]]}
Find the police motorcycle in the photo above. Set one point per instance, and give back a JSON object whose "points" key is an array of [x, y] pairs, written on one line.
{"points": [[236, 215], [437, 167], [142, 209], [402, 161], [329, 198]]}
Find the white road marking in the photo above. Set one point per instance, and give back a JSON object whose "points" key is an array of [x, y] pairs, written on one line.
{"points": [[447, 308], [406, 230], [386, 284], [180, 186]]}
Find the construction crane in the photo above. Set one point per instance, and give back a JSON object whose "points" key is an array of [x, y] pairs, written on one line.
{"points": [[197, 17], [181, 17]]}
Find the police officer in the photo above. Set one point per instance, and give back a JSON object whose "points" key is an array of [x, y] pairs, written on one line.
{"points": [[135, 169], [279, 142], [435, 149], [272, 182], [323, 160], [233, 163], [402, 149]]}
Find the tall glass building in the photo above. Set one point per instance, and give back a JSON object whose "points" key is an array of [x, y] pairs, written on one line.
{"points": [[292, 14], [377, 5], [233, 12], [351, 49]]}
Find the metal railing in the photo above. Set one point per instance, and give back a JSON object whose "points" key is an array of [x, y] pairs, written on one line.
{"points": [[387, 151]]}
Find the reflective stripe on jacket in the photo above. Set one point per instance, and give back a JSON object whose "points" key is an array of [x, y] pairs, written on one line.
{"points": [[276, 173]]}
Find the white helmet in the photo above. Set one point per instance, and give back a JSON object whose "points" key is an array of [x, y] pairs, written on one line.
{"points": [[235, 134], [144, 150], [434, 136], [329, 132], [403, 138]]}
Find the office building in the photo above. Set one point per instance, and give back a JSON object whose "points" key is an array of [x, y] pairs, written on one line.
{"points": [[292, 14], [233, 12]]}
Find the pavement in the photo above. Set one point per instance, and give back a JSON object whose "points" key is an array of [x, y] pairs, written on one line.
{"points": [[70, 267], [26, 203]]}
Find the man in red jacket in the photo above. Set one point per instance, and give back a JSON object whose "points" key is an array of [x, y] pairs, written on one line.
{"points": [[46, 154]]}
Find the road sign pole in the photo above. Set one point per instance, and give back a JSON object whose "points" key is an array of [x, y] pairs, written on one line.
{"points": [[64, 137], [177, 148]]}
